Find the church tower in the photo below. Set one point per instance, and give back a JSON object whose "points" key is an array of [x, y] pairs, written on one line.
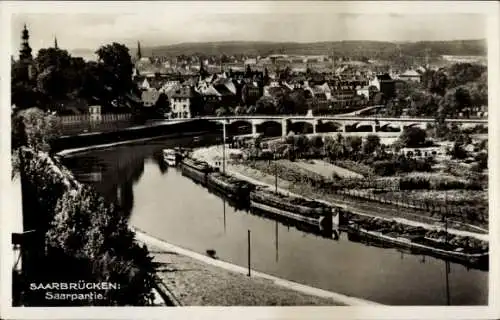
{"points": [[139, 53], [25, 52], [55, 43]]}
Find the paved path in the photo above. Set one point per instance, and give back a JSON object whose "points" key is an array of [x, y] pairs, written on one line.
{"points": [[344, 299]]}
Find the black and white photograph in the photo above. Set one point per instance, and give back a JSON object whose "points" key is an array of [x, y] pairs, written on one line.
{"points": [[234, 154]]}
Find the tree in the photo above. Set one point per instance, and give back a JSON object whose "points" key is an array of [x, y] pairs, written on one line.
{"points": [[454, 101], [265, 105], [424, 104], [372, 142], [458, 151], [117, 69], [162, 105], [413, 137], [435, 81], [353, 145], [462, 73]]}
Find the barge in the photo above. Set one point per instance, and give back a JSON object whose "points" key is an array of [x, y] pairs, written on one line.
{"points": [[295, 208], [230, 186], [439, 244], [196, 170], [170, 157]]}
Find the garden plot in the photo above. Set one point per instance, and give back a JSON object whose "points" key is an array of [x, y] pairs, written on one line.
{"points": [[327, 170]]}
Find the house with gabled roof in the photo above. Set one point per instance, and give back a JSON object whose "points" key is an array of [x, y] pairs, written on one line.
{"points": [[411, 75]]}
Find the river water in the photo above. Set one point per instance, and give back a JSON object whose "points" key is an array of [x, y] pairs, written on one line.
{"points": [[167, 205]]}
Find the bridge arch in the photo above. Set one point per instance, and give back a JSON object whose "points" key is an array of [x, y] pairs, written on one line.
{"points": [[270, 128], [301, 127], [389, 127], [328, 126], [239, 127], [420, 125]]}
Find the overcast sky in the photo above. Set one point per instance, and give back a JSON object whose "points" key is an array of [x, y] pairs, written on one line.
{"points": [[174, 24]]}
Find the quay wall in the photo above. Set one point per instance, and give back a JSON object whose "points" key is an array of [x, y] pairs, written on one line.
{"points": [[132, 133]]}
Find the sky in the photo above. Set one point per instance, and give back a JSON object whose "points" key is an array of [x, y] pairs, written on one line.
{"points": [[173, 23]]}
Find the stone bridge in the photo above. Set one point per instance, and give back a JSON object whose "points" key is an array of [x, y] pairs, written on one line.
{"points": [[336, 123]]}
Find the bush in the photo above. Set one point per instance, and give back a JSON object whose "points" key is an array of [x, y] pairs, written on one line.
{"points": [[412, 183], [384, 168], [413, 137]]}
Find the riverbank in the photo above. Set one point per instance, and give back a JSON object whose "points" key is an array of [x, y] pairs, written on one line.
{"points": [[198, 280], [241, 171]]}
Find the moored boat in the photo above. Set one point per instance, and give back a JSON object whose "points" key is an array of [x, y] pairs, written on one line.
{"points": [[461, 249], [170, 157], [231, 186], [196, 170], [296, 208]]}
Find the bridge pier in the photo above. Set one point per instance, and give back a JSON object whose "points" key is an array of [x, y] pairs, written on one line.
{"points": [[314, 125], [254, 128], [224, 147], [283, 127], [374, 128]]}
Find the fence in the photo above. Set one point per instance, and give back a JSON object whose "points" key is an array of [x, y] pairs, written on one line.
{"points": [[87, 118], [76, 124]]}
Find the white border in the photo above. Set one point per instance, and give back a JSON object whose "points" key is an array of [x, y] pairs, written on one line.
{"points": [[489, 8]]}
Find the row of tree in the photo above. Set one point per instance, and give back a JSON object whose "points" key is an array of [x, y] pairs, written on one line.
{"points": [[443, 93], [54, 79]]}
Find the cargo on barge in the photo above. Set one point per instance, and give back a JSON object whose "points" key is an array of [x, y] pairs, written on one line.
{"points": [[230, 186], [296, 208], [196, 170], [439, 244]]}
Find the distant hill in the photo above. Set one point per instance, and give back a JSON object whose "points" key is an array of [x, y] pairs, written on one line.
{"points": [[372, 49], [355, 49]]}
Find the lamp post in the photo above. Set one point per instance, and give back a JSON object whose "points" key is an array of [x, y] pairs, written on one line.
{"points": [[224, 146]]}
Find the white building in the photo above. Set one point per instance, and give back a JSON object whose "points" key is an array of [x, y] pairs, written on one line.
{"points": [[181, 103], [95, 113], [363, 91]]}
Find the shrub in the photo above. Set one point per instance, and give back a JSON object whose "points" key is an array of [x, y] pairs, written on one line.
{"points": [[384, 168], [413, 137]]}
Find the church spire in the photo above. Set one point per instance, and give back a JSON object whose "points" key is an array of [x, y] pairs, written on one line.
{"points": [[139, 53], [55, 43], [25, 52]]}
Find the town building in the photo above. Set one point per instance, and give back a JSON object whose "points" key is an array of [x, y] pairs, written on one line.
{"points": [[385, 84], [411, 75], [181, 103]]}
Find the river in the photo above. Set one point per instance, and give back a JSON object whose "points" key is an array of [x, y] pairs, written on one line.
{"points": [[167, 205]]}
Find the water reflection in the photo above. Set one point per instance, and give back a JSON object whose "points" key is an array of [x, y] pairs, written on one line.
{"points": [[117, 176]]}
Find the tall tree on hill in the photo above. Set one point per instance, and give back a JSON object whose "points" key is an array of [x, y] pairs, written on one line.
{"points": [[54, 66], [117, 69]]}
